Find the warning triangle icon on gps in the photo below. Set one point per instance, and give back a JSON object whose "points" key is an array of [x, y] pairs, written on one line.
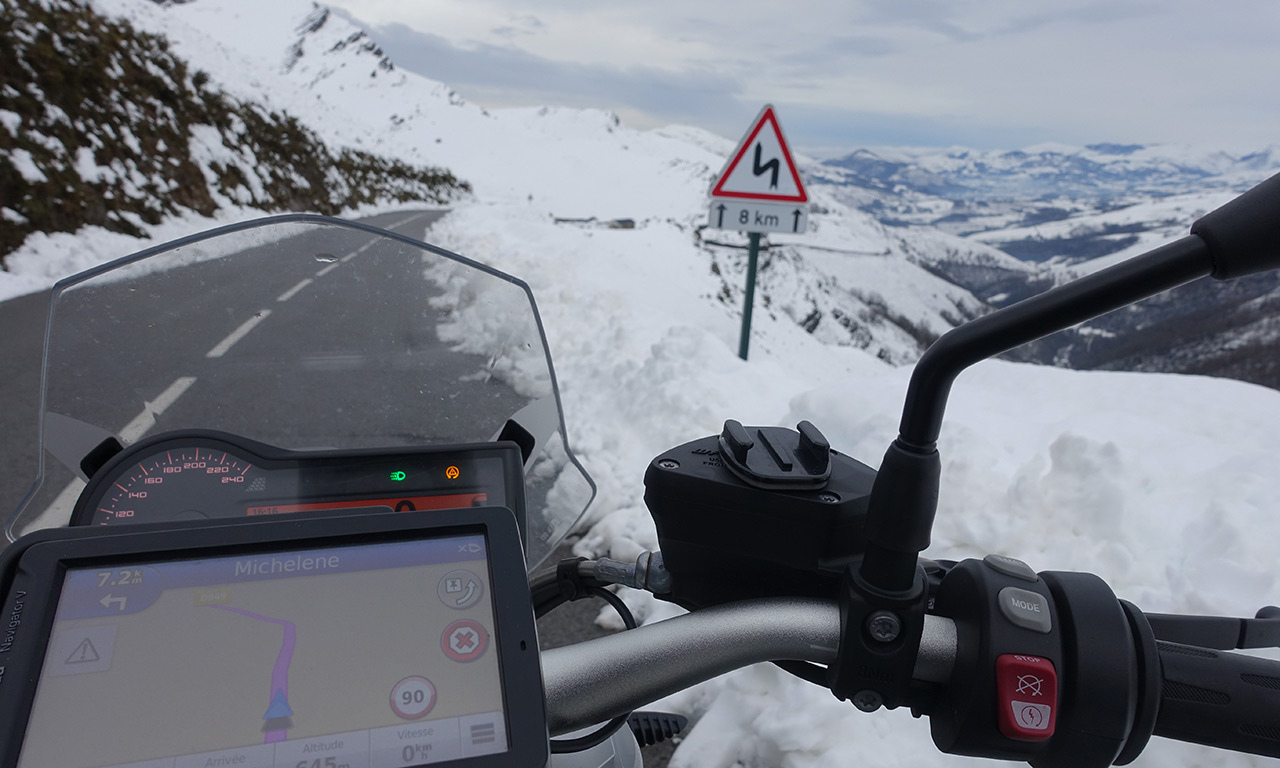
{"points": [[761, 168]]}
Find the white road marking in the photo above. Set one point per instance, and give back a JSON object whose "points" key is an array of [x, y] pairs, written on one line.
{"points": [[392, 228], [328, 269], [289, 294], [238, 334], [147, 419], [358, 251], [401, 223], [58, 512]]}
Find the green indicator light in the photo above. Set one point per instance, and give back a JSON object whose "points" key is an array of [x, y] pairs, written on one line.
{"points": [[397, 476]]}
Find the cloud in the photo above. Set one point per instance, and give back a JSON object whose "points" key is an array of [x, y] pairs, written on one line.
{"points": [[520, 26], [1099, 13], [821, 130], [520, 78], [990, 73]]}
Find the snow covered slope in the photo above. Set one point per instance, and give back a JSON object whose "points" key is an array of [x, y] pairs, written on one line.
{"points": [[574, 165], [1163, 485], [102, 125]]}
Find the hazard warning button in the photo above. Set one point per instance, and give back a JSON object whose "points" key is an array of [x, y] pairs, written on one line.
{"points": [[75, 650], [1027, 697]]}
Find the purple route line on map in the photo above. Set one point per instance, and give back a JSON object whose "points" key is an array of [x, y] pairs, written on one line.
{"points": [[280, 672]]}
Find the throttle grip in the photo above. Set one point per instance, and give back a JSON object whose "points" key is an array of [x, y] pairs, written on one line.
{"points": [[1219, 699]]}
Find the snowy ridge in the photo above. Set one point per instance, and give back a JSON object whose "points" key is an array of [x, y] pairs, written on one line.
{"points": [[1069, 211], [1059, 170], [1163, 485]]}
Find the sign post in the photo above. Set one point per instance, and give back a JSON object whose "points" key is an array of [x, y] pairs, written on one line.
{"points": [[753, 254], [759, 190]]}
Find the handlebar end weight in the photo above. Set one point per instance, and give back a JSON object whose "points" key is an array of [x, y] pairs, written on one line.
{"points": [[1243, 236]]}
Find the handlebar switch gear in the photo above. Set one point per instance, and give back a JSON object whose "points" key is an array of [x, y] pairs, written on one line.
{"points": [[1027, 696]]}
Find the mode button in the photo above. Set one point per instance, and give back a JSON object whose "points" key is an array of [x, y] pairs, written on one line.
{"points": [[1026, 609]]}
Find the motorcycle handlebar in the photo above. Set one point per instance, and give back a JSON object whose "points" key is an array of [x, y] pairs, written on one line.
{"points": [[594, 681], [1219, 699]]}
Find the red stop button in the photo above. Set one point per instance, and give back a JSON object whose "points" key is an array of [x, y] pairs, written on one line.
{"points": [[1027, 697]]}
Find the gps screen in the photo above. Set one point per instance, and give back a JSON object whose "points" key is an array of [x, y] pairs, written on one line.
{"points": [[372, 656]]}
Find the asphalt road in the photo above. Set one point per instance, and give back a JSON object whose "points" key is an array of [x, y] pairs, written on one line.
{"points": [[117, 351], [317, 292]]}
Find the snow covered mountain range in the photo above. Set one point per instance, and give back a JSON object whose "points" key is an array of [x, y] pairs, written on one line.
{"points": [[1163, 485], [1073, 210]]}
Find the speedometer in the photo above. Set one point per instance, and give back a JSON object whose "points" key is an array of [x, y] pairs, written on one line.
{"points": [[177, 483], [200, 474]]}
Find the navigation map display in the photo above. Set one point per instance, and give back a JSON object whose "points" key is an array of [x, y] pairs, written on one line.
{"points": [[374, 656]]}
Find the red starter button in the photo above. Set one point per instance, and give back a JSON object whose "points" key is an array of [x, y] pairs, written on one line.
{"points": [[1027, 694]]}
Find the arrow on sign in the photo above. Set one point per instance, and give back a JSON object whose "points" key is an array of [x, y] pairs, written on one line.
{"points": [[109, 601], [720, 221]]}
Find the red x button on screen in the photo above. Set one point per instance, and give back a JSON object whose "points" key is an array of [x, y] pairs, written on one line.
{"points": [[464, 640], [1027, 697]]}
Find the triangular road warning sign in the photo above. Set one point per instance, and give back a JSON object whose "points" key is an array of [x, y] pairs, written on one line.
{"points": [[761, 167], [84, 653]]}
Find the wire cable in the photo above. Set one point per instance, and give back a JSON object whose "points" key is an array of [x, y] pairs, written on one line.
{"points": [[571, 580]]}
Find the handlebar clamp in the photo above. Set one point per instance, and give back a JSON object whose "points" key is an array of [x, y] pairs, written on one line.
{"points": [[879, 644]]}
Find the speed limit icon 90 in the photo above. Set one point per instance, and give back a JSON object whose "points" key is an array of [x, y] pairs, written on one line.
{"points": [[413, 697]]}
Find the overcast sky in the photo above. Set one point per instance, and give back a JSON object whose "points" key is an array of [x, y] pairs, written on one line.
{"points": [[851, 73]]}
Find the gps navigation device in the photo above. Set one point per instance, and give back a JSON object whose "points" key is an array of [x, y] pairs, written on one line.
{"points": [[377, 640]]}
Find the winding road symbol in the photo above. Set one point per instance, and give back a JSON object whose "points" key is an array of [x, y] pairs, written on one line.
{"points": [[1029, 684]]}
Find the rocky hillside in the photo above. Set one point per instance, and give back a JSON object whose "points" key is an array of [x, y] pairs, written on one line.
{"points": [[101, 124]]}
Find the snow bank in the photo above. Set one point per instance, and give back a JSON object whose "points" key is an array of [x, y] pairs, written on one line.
{"points": [[1163, 485]]}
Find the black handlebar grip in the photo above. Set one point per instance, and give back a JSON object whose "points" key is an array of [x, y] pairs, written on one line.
{"points": [[1244, 235], [1220, 699]]}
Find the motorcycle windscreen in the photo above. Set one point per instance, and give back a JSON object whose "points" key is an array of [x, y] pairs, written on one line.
{"points": [[302, 332]]}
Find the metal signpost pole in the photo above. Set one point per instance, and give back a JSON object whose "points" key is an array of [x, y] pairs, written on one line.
{"points": [[752, 255]]}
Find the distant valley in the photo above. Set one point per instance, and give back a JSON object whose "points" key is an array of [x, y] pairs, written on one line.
{"points": [[1067, 211]]}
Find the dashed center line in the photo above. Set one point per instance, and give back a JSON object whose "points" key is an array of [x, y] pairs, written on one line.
{"points": [[358, 251], [238, 334], [58, 512], [289, 294], [328, 269], [147, 419], [402, 222]]}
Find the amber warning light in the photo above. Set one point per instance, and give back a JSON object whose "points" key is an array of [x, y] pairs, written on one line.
{"points": [[452, 473]]}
